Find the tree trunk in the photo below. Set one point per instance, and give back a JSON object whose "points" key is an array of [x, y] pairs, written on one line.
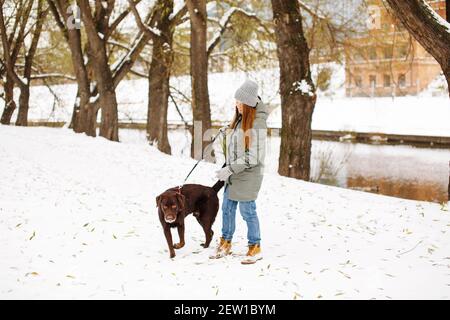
{"points": [[159, 77], [296, 89], [106, 98], [10, 104], [82, 117], [158, 97], [432, 32], [109, 125], [24, 99], [199, 72]]}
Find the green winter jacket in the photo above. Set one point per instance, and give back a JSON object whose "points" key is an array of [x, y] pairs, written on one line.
{"points": [[247, 165]]}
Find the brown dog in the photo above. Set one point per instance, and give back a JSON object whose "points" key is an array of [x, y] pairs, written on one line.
{"points": [[176, 203]]}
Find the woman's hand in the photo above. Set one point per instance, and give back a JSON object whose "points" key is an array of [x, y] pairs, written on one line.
{"points": [[223, 173]]}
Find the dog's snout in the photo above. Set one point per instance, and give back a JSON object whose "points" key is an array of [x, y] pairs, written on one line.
{"points": [[170, 218]]}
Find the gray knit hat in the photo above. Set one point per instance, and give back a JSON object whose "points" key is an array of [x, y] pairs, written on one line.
{"points": [[247, 93]]}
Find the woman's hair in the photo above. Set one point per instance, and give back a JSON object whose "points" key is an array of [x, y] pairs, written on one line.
{"points": [[248, 117]]}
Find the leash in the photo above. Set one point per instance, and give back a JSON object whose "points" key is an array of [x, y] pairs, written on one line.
{"points": [[199, 160]]}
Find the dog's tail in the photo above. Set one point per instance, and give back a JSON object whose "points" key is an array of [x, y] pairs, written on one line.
{"points": [[218, 185]]}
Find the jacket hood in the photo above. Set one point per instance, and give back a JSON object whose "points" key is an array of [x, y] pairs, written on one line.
{"points": [[261, 110]]}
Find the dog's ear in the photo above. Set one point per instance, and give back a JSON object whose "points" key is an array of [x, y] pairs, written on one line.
{"points": [[158, 200], [180, 200]]}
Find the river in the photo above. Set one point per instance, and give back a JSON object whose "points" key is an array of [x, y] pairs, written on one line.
{"points": [[395, 170]]}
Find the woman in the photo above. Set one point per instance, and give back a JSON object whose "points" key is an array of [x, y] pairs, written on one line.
{"points": [[243, 171]]}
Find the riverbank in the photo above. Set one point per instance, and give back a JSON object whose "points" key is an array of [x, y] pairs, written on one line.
{"points": [[328, 135], [78, 220]]}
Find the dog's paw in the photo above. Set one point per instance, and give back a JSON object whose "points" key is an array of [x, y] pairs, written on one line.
{"points": [[172, 255], [178, 245], [204, 245]]}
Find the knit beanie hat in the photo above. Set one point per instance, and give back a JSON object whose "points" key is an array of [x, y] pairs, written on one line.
{"points": [[247, 93]]}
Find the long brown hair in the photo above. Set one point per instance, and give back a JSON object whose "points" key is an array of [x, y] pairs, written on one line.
{"points": [[248, 117]]}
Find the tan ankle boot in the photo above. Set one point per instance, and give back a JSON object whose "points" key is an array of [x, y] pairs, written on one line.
{"points": [[253, 254], [223, 249]]}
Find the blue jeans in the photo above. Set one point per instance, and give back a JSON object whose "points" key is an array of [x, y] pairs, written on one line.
{"points": [[248, 212]]}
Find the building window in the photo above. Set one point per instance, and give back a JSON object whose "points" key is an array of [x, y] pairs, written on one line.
{"points": [[359, 55], [402, 80], [400, 27], [387, 80], [402, 51], [372, 53], [358, 81], [373, 81], [387, 51]]}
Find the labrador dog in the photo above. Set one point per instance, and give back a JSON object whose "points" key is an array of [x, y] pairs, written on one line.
{"points": [[176, 203]]}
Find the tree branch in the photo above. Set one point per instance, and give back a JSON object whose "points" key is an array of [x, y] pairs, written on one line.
{"points": [[113, 26], [224, 22], [52, 75], [58, 19], [6, 51], [151, 32], [178, 16]]}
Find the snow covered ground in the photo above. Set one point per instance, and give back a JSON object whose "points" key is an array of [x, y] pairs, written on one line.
{"points": [[78, 220]]}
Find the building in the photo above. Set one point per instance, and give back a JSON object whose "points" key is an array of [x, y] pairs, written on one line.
{"points": [[385, 60]]}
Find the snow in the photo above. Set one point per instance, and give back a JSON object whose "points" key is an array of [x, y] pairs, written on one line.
{"points": [[94, 99], [101, 36], [303, 87], [403, 115], [154, 30], [426, 114], [445, 24], [78, 220], [178, 5]]}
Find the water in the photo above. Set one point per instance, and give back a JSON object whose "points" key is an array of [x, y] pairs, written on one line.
{"points": [[400, 171]]}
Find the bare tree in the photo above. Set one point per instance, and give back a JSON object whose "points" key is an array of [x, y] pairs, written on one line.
{"points": [[96, 78], [296, 89], [161, 29], [11, 48], [18, 16], [162, 59], [427, 27], [96, 27]]}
